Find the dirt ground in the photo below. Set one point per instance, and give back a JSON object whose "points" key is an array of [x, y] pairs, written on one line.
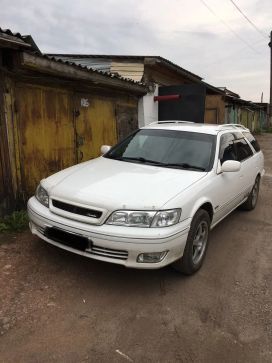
{"points": [[59, 307]]}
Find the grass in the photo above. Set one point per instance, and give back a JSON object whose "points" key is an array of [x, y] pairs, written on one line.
{"points": [[257, 131], [15, 222]]}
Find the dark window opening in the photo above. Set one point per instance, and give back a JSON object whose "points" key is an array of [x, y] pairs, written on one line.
{"points": [[243, 150], [252, 140]]}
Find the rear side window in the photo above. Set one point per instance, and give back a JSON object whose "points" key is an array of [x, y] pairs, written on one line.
{"points": [[227, 148], [243, 150], [252, 140]]}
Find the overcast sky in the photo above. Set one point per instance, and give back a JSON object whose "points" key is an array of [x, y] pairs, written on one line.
{"points": [[224, 49]]}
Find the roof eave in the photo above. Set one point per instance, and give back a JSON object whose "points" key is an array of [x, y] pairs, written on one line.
{"points": [[54, 67]]}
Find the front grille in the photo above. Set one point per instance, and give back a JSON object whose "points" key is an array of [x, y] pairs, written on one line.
{"points": [[77, 210], [108, 252], [68, 239]]}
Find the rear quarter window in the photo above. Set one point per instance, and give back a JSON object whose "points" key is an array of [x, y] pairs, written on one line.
{"points": [[243, 150], [252, 140]]}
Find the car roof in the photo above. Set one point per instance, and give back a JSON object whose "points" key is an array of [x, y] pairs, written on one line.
{"points": [[212, 129]]}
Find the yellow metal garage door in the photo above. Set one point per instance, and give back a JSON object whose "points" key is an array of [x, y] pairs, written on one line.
{"points": [[95, 125], [46, 132]]}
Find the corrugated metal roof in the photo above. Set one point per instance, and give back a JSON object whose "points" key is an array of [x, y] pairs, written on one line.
{"points": [[100, 65], [9, 32], [16, 38], [142, 58], [88, 69], [229, 92]]}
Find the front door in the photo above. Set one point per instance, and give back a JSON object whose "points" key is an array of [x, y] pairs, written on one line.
{"points": [[95, 125], [228, 187]]}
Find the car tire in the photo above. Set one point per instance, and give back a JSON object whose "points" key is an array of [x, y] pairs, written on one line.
{"points": [[196, 245], [252, 199]]}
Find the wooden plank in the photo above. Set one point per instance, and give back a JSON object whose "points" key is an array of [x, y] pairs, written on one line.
{"points": [[130, 70], [6, 193]]}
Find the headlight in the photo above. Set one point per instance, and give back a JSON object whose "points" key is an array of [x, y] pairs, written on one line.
{"points": [[166, 218], [144, 218], [131, 218], [42, 196]]}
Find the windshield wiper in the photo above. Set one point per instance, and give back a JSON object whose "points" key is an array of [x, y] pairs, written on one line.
{"points": [[154, 162], [142, 160], [185, 166]]}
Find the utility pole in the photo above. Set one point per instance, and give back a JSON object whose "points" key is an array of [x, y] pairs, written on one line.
{"points": [[270, 101]]}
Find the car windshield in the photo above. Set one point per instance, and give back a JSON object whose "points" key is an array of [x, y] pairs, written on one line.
{"points": [[167, 148]]}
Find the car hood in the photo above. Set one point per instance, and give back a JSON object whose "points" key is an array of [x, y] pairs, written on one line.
{"points": [[113, 184]]}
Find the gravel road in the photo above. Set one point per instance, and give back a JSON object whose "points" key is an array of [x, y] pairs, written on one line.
{"points": [[59, 307]]}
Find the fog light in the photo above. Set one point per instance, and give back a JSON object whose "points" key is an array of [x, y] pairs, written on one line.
{"points": [[151, 257]]}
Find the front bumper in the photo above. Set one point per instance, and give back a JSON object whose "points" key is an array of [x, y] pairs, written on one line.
{"points": [[115, 244]]}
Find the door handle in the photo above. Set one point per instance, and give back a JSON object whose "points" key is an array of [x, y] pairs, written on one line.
{"points": [[80, 155]]}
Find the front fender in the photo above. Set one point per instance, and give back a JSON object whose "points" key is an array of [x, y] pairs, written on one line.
{"points": [[198, 204]]}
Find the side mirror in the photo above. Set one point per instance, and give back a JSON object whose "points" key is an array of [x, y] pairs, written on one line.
{"points": [[230, 166], [104, 149]]}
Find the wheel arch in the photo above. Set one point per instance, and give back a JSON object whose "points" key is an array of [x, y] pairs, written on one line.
{"points": [[204, 204]]}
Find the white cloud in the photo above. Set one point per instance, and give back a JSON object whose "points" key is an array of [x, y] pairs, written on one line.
{"points": [[180, 30]]}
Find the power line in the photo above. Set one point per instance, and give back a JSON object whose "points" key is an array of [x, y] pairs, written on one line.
{"points": [[227, 26], [250, 22], [231, 55]]}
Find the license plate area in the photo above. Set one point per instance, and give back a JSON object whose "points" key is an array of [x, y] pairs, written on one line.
{"points": [[68, 239]]}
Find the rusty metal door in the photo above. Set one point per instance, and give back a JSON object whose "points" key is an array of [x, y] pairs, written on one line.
{"points": [[211, 116], [46, 132], [95, 125], [127, 119]]}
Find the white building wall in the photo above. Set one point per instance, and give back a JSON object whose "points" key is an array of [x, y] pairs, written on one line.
{"points": [[148, 110]]}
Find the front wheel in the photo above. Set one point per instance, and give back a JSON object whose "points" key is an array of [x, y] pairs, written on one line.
{"points": [[196, 245]]}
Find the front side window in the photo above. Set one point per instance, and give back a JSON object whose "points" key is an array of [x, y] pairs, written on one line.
{"points": [[167, 148], [227, 149]]}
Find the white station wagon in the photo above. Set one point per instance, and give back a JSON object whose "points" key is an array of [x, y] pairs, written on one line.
{"points": [[152, 199]]}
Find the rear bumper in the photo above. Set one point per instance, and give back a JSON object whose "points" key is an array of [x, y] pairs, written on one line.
{"points": [[120, 245]]}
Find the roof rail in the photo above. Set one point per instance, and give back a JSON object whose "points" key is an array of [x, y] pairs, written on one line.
{"points": [[236, 126], [172, 122]]}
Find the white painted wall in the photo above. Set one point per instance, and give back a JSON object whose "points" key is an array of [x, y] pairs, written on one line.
{"points": [[148, 110]]}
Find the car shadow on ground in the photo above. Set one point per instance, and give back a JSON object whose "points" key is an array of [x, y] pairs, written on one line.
{"points": [[90, 273]]}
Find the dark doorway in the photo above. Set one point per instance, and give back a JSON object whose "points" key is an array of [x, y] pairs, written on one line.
{"points": [[190, 106]]}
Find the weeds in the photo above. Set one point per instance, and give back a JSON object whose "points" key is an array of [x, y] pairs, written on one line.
{"points": [[15, 222]]}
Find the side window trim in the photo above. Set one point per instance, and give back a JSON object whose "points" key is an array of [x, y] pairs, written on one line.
{"points": [[251, 146], [249, 142]]}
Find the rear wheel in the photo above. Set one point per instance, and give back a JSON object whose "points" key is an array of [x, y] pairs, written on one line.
{"points": [[196, 245], [252, 199]]}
